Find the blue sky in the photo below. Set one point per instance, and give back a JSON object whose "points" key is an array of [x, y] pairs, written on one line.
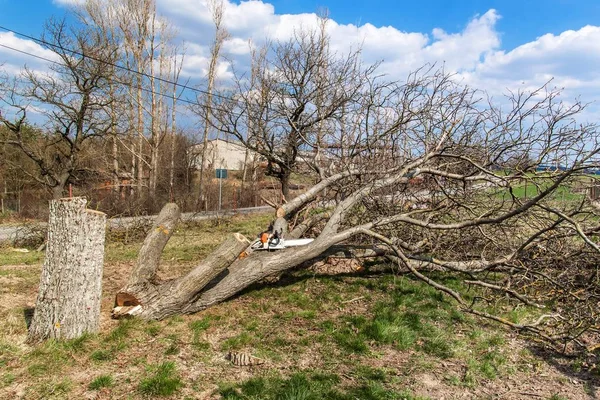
{"points": [[521, 21], [493, 45]]}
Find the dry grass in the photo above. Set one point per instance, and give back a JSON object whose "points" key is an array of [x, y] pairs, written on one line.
{"points": [[321, 336]]}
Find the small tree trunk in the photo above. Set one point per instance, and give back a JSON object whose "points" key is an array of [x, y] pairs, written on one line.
{"points": [[68, 302], [115, 159], [285, 185], [61, 184], [57, 192]]}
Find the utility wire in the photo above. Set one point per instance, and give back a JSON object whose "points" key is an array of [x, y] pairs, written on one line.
{"points": [[56, 46], [116, 81], [183, 100]]}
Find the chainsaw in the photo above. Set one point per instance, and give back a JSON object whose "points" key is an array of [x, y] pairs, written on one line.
{"points": [[274, 241]]}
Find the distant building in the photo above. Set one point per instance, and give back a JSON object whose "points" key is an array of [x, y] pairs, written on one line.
{"points": [[222, 154]]}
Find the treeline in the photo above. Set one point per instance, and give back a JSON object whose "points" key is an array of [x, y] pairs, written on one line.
{"points": [[109, 105], [28, 178]]}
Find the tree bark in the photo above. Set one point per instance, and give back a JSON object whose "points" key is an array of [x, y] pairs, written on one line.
{"points": [[68, 302], [284, 178], [57, 191], [144, 296], [221, 275]]}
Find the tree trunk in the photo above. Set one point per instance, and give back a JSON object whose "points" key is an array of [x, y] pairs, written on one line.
{"points": [[57, 191], [226, 272], [285, 184], [61, 182], [68, 302], [115, 159], [145, 297]]}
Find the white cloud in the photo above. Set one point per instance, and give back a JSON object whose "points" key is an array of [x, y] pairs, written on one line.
{"points": [[16, 53], [236, 46], [11, 41], [464, 50], [400, 51], [566, 61], [196, 63], [474, 52], [570, 53]]}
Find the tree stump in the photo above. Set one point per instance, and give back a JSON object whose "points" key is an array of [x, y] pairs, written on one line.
{"points": [[68, 302]]}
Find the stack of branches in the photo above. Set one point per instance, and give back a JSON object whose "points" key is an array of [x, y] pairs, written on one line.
{"points": [[452, 201]]}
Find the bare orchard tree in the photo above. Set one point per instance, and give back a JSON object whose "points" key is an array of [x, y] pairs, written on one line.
{"points": [[293, 99], [447, 206], [73, 98], [205, 102]]}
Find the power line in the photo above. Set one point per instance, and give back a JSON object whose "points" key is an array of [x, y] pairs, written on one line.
{"points": [[183, 100], [46, 43], [117, 81]]}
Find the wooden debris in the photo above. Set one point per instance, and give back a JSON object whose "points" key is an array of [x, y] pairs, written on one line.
{"points": [[125, 311], [243, 359]]}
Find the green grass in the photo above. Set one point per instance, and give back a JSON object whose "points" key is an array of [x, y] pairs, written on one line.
{"points": [[410, 318], [6, 379], [102, 355], [49, 357], [238, 341], [308, 385], [122, 332], [102, 381], [530, 190], [78, 344], [557, 397], [163, 380], [53, 389], [152, 329], [200, 326], [173, 346], [192, 241], [198, 329], [10, 257]]}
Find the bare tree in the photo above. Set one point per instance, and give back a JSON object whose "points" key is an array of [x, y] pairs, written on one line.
{"points": [[206, 102], [147, 59], [284, 110], [103, 18], [450, 207], [176, 71], [74, 98]]}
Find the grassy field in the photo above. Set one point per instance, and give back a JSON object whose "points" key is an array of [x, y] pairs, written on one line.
{"points": [[529, 188], [317, 336]]}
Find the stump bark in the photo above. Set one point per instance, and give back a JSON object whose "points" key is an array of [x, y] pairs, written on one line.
{"points": [[68, 302]]}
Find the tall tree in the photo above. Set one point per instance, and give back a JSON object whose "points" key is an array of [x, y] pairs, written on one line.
{"points": [[74, 98], [175, 96], [293, 96], [205, 103], [102, 17]]}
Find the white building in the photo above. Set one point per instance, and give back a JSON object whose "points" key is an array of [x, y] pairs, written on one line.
{"points": [[222, 154]]}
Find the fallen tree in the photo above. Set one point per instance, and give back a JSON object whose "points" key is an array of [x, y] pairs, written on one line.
{"points": [[451, 204]]}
